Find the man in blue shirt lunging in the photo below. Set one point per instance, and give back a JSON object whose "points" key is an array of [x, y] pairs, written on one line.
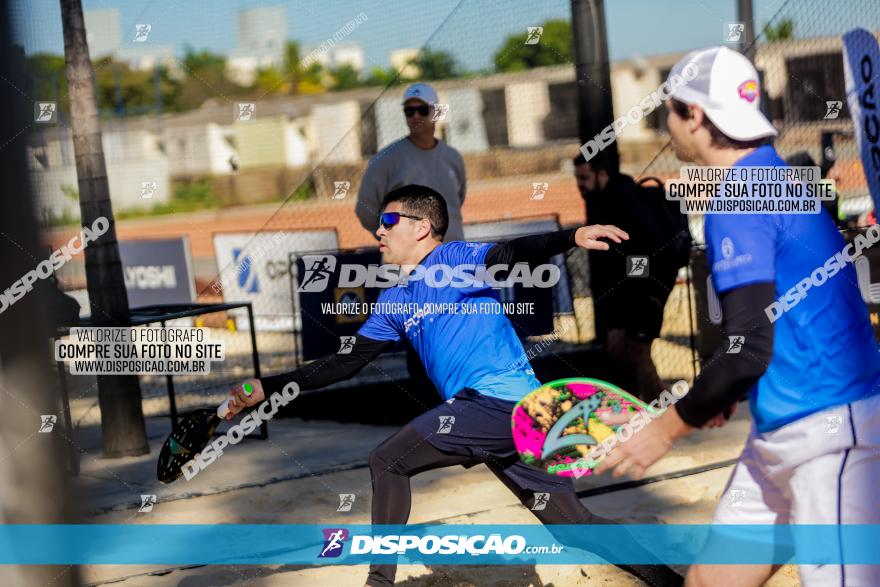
{"points": [[473, 357]]}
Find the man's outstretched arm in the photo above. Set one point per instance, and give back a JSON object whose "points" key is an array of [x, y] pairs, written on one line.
{"points": [[319, 373], [331, 368], [540, 247]]}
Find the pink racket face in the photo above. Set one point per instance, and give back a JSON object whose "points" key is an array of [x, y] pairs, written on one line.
{"points": [[556, 426]]}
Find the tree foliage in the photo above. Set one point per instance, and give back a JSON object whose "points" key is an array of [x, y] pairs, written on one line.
{"points": [[134, 91], [345, 77], [205, 77], [783, 31], [553, 48], [436, 65], [202, 75]]}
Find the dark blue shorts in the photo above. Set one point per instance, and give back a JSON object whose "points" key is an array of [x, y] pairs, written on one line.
{"points": [[481, 429]]}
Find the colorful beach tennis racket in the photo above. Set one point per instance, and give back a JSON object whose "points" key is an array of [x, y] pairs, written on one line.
{"points": [[556, 426]]}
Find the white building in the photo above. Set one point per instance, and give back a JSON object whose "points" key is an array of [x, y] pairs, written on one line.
{"points": [[263, 29], [390, 121], [137, 170], [528, 104], [336, 130], [242, 64], [271, 141], [465, 126], [314, 54], [207, 148], [262, 38], [146, 57], [401, 61], [103, 32], [352, 55]]}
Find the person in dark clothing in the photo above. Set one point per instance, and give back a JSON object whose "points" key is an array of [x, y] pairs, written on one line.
{"points": [[631, 283]]}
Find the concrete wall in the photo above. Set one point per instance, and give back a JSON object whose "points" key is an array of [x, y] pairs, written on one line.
{"points": [[296, 145], [125, 179], [336, 131], [390, 122], [528, 103], [771, 60], [132, 157], [261, 143], [138, 144], [629, 88], [199, 149], [465, 128], [103, 31]]}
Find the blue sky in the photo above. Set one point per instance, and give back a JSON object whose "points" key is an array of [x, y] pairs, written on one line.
{"points": [[472, 30]]}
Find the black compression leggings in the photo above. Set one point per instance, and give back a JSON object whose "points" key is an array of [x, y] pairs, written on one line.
{"points": [[406, 453]]}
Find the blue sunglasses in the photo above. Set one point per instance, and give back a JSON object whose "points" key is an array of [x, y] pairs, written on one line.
{"points": [[389, 219]]}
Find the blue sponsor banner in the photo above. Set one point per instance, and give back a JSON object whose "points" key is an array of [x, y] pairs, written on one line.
{"points": [[861, 68], [144, 544]]}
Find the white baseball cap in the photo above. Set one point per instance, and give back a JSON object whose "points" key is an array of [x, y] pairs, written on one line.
{"points": [[726, 86], [423, 92]]}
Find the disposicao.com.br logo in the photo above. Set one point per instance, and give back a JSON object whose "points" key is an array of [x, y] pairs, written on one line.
{"points": [[448, 544]]}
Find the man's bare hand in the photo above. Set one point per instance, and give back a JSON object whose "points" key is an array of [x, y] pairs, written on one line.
{"points": [[588, 236], [247, 393], [645, 447]]}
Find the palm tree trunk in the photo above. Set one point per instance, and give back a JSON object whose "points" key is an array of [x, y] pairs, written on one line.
{"points": [[122, 419]]}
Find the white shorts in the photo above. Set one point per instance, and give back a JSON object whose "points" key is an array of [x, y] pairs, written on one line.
{"points": [[821, 469]]}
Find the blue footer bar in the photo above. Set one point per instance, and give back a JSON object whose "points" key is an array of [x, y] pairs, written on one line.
{"points": [[142, 544]]}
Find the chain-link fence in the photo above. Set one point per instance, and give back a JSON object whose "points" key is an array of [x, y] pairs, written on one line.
{"points": [[259, 151]]}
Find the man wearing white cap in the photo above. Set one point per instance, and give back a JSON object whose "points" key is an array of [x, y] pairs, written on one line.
{"points": [[419, 158], [809, 364]]}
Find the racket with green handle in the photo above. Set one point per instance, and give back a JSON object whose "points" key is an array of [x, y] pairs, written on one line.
{"points": [[189, 438]]}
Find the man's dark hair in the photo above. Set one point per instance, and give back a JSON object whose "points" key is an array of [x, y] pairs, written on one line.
{"points": [[599, 161], [423, 202], [718, 138]]}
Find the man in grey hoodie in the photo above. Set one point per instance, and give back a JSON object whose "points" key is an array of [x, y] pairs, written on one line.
{"points": [[419, 158]]}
